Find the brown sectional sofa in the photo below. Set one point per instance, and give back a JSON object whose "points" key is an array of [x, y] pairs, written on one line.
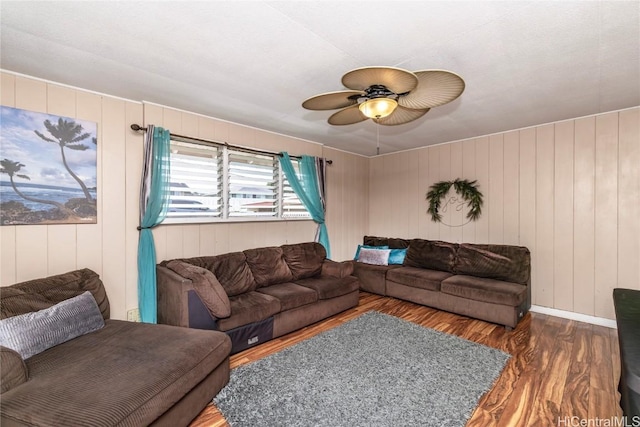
{"points": [[255, 295], [487, 282], [122, 374]]}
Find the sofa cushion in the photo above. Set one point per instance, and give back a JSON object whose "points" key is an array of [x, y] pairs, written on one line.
{"points": [[372, 278], [304, 259], [248, 308], [39, 294], [206, 285], [391, 242], [487, 290], [268, 266], [126, 373], [12, 368], [290, 295], [500, 262], [32, 333], [431, 254], [230, 269], [330, 287], [418, 277], [337, 269]]}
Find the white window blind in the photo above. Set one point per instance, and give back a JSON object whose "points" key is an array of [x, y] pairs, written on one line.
{"points": [[196, 184], [252, 185]]}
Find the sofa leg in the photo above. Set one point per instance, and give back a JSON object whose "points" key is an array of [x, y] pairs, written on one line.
{"points": [[508, 328]]}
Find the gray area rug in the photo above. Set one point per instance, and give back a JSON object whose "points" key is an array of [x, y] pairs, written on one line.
{"points": [[375, 370]]}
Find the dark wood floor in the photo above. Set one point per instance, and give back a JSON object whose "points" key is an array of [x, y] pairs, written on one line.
{"points": [[560, 368]]}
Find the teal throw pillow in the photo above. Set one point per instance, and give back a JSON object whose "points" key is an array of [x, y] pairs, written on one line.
{"points": [[397, 256]]}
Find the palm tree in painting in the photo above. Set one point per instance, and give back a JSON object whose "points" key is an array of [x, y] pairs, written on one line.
{"points": [[68, 134], [12, 168]]}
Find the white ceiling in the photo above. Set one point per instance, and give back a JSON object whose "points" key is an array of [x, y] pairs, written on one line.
{"points": [[254, 62]]}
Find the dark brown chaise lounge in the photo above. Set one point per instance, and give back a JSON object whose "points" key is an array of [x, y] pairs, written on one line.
{"points": [[123, 374]]}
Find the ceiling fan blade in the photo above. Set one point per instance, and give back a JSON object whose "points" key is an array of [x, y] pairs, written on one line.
{"points": [[347, 116], [331, 100], [395, 79], [402, 115], [435, 87]]}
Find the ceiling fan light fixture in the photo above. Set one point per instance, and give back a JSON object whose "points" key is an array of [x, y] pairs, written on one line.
{"points": [[378, 108]]}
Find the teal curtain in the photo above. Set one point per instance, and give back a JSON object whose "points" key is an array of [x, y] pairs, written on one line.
{"points": [[154, 201], [309, 187]]}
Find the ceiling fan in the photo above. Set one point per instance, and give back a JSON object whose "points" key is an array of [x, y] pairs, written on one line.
{"points": [[388, 95]]}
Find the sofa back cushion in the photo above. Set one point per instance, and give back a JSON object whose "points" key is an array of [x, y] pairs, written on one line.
{"points": [[304, 259], [39, 294], [500, 262], [268, 266], [230, 269], [431, 254], [391, 242]]}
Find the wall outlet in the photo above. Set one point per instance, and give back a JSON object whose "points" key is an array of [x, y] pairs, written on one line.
{"points": [[133, 315]]}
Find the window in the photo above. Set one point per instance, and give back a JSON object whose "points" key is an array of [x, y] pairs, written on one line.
{"points": [[195, 188], [253, 181], [221, 183]]}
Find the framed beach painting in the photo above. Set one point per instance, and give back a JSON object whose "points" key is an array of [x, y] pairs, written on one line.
{"points": [[48, 171]]}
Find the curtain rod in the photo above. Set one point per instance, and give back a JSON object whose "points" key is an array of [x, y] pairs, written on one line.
{"points": [[137, 128]]}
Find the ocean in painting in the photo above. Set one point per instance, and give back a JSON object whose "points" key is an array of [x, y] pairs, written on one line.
{"points": [[46, 192]]}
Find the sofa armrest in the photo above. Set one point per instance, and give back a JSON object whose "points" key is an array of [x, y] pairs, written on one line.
{"points": [[14, 371], [173, 297], [337, 269], [189, 302]]}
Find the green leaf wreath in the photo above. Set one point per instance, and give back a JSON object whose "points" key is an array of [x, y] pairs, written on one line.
{"points": [[468, 190]]}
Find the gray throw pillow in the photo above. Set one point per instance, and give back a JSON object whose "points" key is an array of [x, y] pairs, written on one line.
{"points": [[34, 332], [374, 256]]}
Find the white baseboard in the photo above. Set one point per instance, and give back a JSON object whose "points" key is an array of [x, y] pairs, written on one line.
{"points": [[601, 321]]}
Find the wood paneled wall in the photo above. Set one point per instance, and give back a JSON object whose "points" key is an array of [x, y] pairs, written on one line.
{"points": [[569, 191], [110, 246]]}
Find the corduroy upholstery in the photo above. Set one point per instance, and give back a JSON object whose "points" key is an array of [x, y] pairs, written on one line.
{"points": [[432, 255], [488, 290], [12, 368], [248, 308], [489, 282], [207, 286], [418, 277], [124, 374], [330, 287], [274, 291], [304, 259], [290, 295], [39, 294], [268, 266]]}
